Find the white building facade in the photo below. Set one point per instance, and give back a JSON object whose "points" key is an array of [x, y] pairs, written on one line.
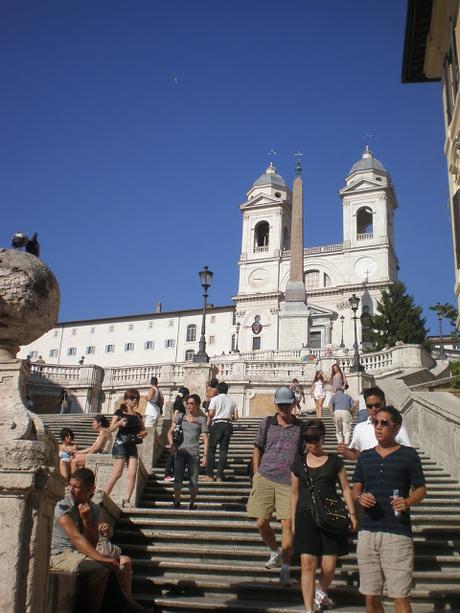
{"points": [[364, 263]]}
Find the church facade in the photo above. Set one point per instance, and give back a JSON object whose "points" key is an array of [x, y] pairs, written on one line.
{"points": [[260, 319]]}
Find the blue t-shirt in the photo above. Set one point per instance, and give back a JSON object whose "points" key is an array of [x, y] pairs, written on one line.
{"points": [[400, 470]]}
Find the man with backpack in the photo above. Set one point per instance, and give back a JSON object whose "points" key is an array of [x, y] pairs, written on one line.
{"points": [[275, 449]]}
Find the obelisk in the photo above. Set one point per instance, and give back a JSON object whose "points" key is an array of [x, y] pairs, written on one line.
{"points": [[294, 314]]}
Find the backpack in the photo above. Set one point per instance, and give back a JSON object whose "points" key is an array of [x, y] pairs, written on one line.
{"points": [[271, 421]]}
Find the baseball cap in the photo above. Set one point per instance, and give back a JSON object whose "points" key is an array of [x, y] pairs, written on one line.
{"points": [[284, 395]]}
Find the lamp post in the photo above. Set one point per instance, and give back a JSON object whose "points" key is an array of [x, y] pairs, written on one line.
{"points": [[205, 280], [237, 348], [354, 303], [342, 344], [442, 350]]}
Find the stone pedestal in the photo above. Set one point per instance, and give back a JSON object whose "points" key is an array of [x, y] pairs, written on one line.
{"points": [[293, 322], [358, 381], [196, 377]]}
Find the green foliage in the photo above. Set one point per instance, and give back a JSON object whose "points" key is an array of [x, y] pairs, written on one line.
{"points": [[446, 311], [455, 372], [397, 318]]}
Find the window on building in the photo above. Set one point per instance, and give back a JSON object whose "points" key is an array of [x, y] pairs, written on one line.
{"points": [[212, 340], [314, 339], [149, 345], [189, 355], [33, 355], [364, 223], [74, 331], [130, 326], [191, 333], [312, 279], [129, 346], [170, 343], [286, 239], [213, 319], [55, 333], [91, 349], [72, 351], [261, 236], [171, 323], [111, 328], [53, 353], [234, 318], [91, 331], [109, 348], [150, 325], [366, 320], [233, 345], [327, 280], [256, 343]]}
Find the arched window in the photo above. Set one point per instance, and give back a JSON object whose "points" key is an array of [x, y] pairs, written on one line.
{"points": [[364, 223], [189, 355], [286, 239], [191, 333], [366, 320], [312, 279], [327, 280], [261, 236]]}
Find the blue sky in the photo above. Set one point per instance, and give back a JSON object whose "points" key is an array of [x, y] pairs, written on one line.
{"points": [[130, 133]]}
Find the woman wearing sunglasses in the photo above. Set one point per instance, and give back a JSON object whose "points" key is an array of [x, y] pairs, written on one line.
{"points": [[130, 431], [315, 546]]}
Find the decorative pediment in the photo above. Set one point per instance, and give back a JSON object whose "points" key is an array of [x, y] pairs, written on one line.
{"points": [[362, 185], [260, 201], [317, 311]]}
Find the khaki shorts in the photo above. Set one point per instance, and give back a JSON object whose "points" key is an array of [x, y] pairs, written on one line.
{"points": [[385, 557], [72, 561], [267, 496]]}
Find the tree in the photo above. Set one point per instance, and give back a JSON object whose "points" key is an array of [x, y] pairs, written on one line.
{"points": [[446, 311], [397, 318]]}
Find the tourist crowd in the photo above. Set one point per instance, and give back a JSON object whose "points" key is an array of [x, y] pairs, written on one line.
{"points": [[293, 477]]}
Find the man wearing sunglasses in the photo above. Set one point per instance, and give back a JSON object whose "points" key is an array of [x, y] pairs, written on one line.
{"points": [[275, 449], [363, 433], [388, 480]]}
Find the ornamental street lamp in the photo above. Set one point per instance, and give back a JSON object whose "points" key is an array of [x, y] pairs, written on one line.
{"points": [[205, 280], [237, 348], [442, 350], [354, 303], [342, 344]]}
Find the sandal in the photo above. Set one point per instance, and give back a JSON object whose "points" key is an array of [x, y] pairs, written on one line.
{"points": [[125, 504]]}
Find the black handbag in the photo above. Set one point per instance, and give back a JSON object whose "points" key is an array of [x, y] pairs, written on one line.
{"points": [[178, 434], [329, 514]]}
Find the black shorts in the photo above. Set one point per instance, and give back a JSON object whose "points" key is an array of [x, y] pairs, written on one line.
{"points": [[310, 539], [123, 451]]}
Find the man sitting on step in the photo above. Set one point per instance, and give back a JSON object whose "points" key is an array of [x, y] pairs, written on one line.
{"points": [[363, 433], [275, 449], [73, 548]]}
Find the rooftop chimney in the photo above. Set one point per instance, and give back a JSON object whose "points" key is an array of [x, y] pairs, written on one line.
{"points": [[158, 307]]}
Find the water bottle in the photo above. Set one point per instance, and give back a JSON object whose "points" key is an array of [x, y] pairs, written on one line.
{"points": [[395, 495]]}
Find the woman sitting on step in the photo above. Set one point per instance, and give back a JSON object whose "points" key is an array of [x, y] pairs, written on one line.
{"points": [[102, 443], [130, 432], [67, 449]]}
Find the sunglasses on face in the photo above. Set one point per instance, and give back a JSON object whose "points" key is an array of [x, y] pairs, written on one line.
{"points": [[375, 405], [385, 423], [132, 398]]}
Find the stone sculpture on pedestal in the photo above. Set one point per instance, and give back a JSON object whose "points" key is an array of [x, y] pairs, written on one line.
{"points": [[29, 482]]}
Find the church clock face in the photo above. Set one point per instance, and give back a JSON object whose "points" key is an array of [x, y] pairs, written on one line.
{"points": [[258, 278], [365, 267]]}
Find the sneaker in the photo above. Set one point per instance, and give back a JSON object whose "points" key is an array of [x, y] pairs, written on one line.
{"points": [[169, 478], [285, 577], [274, 561], [322, 600]]}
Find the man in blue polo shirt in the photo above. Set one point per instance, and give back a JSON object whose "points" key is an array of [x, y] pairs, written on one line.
{"points": [[388, 480]]}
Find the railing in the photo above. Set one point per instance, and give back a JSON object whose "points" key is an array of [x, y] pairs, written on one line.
{"points": [[65, 375], [313, 250], [277, 371], [364, 236], [262, 249]]}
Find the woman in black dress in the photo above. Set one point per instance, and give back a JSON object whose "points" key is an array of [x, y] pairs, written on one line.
{"points": [[130, 428], [314, 545]]}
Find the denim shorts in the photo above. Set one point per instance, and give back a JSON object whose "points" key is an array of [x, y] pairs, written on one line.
{"points": [[123, 451]]}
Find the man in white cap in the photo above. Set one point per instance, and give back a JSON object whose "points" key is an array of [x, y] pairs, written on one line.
{"points": [[275, 448]]}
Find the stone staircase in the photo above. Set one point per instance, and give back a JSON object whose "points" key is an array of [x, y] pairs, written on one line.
{"points": [[212, 558]]}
